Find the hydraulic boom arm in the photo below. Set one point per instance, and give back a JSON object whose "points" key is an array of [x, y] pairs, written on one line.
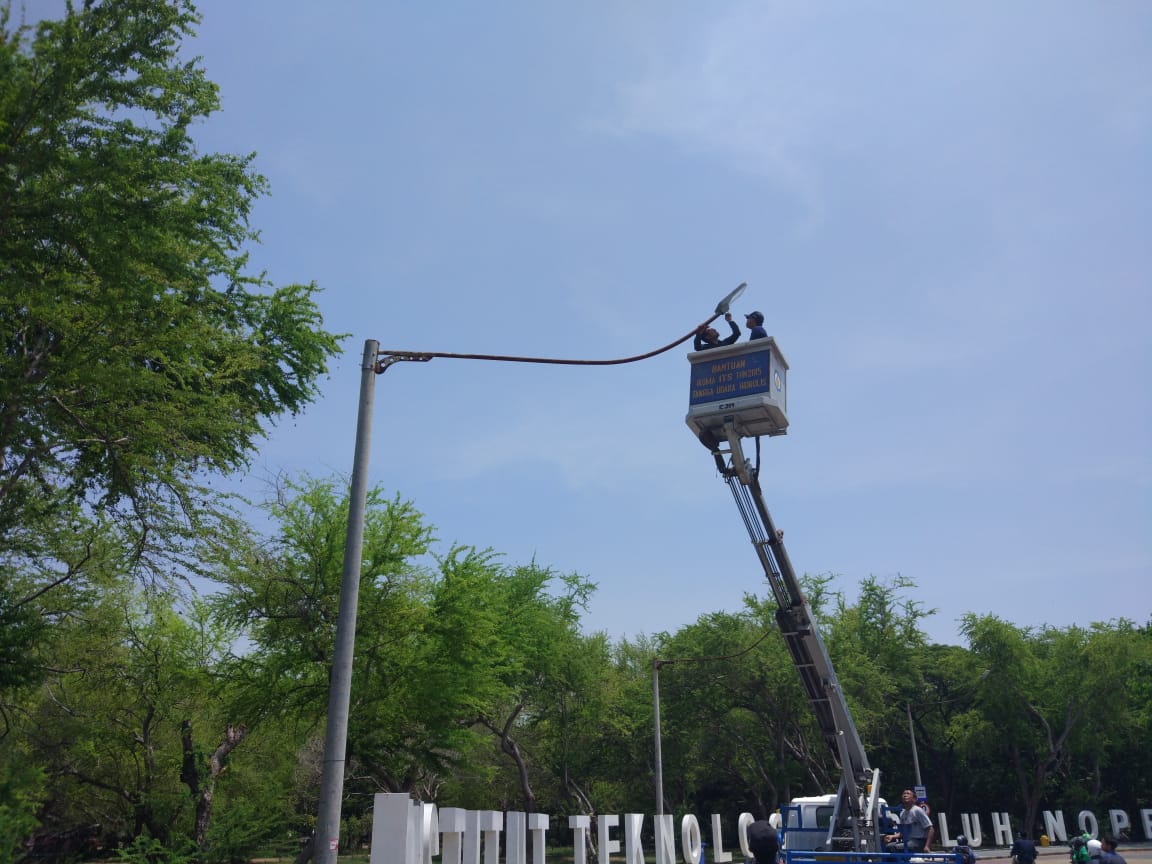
{"points": [[856, 819]]}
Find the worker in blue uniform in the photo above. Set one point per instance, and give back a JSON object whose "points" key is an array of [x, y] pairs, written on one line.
{"points": [[708, 337], [754, 321]]}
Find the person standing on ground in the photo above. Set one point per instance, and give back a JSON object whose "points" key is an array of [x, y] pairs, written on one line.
{"points": [[916, 829], [1023, 851]]}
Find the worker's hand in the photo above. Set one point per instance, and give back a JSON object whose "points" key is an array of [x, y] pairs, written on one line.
{"points": [[727, 316]]}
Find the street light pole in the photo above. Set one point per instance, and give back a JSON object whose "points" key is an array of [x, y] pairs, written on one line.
{"points": [[912, 736], [656, 664], [912, 732], [327, 837]]}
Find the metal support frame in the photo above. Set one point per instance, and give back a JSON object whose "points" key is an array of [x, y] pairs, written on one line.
{"points": [[855, 811]]}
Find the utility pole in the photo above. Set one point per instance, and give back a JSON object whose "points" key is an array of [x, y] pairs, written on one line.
{"points": [[327, 838], [656, 664]]}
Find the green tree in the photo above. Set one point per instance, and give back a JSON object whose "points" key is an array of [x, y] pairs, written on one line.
{"points": [[737, 728], [586, 734], [502, 640], [1127, 762], [1104, 756], [139, 354], [595, 739], [448, 660], [282, 591], [51, 569], [255, 809], [138, 350], [21, 792], [878, 649], [134, 668], [945, 714], [1039, 700]]}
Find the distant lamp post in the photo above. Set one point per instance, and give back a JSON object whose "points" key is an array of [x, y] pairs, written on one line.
{"points": [[912, 738], [327, 837], [912, 730], [656, 664]]}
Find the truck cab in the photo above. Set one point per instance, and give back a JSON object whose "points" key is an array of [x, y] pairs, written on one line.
{"points": [[806, 821]]}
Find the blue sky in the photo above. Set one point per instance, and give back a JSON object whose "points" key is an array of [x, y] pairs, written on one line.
{"points": [[943, 210]]}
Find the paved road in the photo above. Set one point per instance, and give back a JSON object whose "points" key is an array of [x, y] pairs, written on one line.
{"points": [[1133, 853]]}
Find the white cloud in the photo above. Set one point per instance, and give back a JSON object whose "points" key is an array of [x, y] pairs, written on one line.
{"points": [[732, 95]]}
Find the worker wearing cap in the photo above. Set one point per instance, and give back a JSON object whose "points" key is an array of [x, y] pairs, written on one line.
{"points": [[754, 321]]}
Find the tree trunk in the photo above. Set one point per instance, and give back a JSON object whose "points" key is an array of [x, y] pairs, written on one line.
{"points": [[511, 748], [306, 850], [203, 789], [1033, 779]]}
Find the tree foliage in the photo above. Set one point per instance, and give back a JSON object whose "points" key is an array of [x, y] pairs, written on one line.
{"points": [[138, 350], [134, 666], [509, 641], [473, 687], [139, 355]]}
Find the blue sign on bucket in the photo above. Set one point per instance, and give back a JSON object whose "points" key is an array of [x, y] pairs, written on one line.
{"points": [[730, 377]]}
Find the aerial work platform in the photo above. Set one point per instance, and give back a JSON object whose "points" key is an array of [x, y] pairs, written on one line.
{"points": [[741, 391], [745, 384]]}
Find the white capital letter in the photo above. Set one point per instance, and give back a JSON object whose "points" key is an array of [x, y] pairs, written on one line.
{"points": [[516, 846], [718, 853], [607, 846], [971, 824], [633, 825], [665, 839], [538, 828], [390, 827], [579, 826], [1054, 826], [690, 839], [945, 838], [1001, 829], [491, 823], [452, 824], [1086, 819], [1119, 820], [742, 833]]}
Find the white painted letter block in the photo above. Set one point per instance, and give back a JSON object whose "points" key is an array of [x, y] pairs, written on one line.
{"points": [[633, 828], [665, 839], [579, 826]]}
